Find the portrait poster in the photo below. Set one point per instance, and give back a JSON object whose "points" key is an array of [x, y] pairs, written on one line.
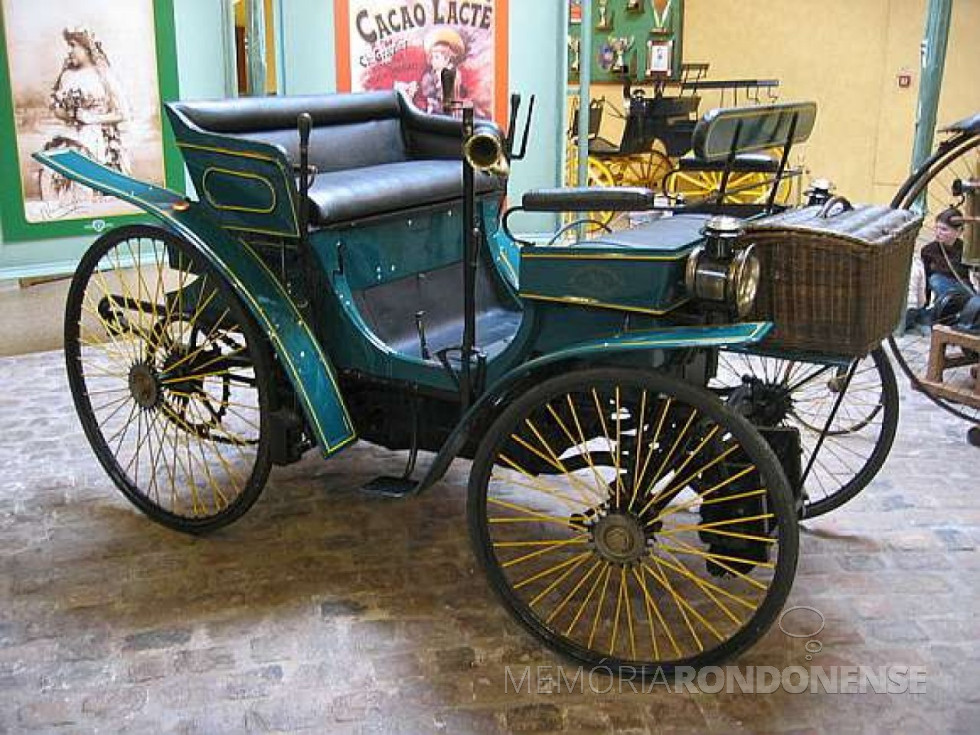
{"points": [[404, 45], [89, 76]]}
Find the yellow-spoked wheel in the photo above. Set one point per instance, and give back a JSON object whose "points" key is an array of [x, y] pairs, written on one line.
{"points": [[599, 174], [170, 379], [630, 520], [743, 187], [643, 169]]}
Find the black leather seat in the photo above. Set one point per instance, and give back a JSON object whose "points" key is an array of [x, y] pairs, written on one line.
{"points": [[744, 162], [371, 191], [374, 152]]}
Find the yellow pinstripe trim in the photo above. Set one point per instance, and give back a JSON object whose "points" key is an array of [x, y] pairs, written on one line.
{"points": [[583, 301], [242, 175], [251, 299], [316, 343], [257, 157], [603, 256]]}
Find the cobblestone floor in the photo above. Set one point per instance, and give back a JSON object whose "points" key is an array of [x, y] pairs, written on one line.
{"points": [[325, 610]]}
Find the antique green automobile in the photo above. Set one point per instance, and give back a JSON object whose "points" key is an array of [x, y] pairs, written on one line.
{"points": [[346, 271]]}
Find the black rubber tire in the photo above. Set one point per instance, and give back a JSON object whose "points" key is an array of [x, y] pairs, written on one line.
{"points": [[258, 357], [889, 407], [906, 197], [751, 441], [882, 448]]}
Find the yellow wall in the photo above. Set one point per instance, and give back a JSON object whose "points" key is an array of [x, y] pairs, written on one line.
{"points": [[845, 55]]}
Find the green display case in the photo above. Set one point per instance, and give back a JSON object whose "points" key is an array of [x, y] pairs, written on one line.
{"points": [[635, 40]]}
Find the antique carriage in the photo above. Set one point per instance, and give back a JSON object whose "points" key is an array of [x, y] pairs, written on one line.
{"points": [[655, 146], [347, 272]]}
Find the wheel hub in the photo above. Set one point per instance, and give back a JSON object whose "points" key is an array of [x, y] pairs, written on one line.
{"points": [[619, 538], [765, 404], [143, 386]]}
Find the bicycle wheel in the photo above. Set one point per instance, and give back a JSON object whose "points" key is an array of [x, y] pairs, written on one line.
{"points": [[633, 521], [170, 378], [779, 392], [932, 189]]}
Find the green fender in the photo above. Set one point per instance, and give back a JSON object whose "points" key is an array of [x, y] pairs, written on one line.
{"points": [[711, 337], [305, 363]]}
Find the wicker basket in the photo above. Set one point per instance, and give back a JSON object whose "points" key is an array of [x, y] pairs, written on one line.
{"points": [[834, 278]]}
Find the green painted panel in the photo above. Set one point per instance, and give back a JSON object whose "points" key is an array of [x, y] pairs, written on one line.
{"points": [[244, 184], [299, 352], [644, 282]]}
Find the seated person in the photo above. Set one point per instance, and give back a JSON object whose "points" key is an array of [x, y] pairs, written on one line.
{"points": [[942, 262]]}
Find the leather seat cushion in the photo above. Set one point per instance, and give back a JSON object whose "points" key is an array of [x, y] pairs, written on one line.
{"points": [[342, 196], [754, 162], [666, 234]]}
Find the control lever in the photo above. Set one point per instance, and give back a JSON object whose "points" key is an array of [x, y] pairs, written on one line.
{"points": [[420, 328], [448, 79], [305, 124], [515, 106]]}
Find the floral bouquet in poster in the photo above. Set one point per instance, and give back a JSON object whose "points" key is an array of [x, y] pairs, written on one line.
{"points": [[406, 44]]}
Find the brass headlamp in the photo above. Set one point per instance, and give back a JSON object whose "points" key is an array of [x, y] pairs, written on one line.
{"points": [[486, 151], [719, 273]]}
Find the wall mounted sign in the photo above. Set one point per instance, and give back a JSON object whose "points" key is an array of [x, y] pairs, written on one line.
{"points": [[404, 44], [85, 75]]}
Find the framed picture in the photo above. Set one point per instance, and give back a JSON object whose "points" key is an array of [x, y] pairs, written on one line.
{"points": [[660, 56], [404, 44], [85, 75]]}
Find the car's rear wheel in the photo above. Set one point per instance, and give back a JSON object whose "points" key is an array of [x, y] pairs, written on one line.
{"points": [[170, 378]]}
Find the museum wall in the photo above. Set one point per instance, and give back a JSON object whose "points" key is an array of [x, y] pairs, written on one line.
{"points": [[864, 131], [865, 124], [309, 67], [863, 137]]}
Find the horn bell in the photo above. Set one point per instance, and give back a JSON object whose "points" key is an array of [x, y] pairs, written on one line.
{"points": [[484, 151]]}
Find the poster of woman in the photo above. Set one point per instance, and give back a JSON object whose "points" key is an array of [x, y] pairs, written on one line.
{"points": [[406, 44], [81, 75]]}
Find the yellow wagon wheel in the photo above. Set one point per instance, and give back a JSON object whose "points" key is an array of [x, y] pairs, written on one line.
{"points": [[645, 169], [599, 174], [744, 187]]}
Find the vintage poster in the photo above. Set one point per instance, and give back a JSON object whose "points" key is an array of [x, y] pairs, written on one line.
{"points": [[79, 75], [405, 45]]}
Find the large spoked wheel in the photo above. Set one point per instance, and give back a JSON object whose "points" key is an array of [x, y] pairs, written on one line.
{"points": [[630, 520], [597, 174], [170, 379], [932, 189], [791, 393], [643, 169], [743, 187]]}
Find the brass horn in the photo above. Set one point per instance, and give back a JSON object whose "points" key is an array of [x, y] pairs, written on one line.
{"points": [[485, 151]]}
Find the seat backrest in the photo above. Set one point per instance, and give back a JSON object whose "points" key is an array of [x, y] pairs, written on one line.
{"points": [[734, 130], [349, 131]]}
